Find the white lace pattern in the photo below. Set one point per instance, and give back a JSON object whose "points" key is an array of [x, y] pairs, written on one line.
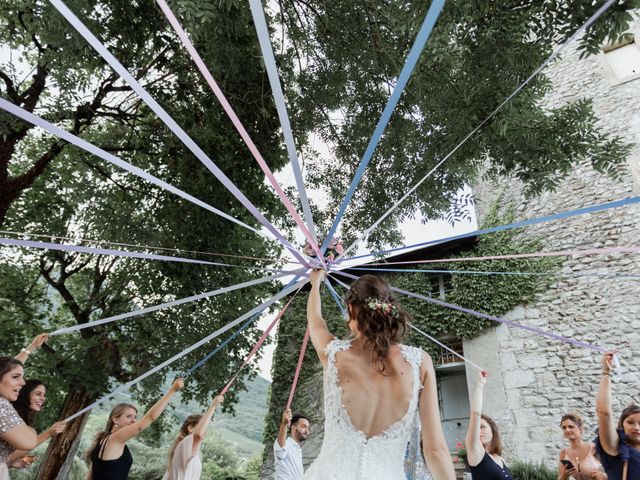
{"points": [[346, 453]]}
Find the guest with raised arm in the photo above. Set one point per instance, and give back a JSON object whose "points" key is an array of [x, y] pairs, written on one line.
{"points": [[108, 456], [14, 433], [482, 442], [374, 389], [617, 444], [29, 402], [33, 346], [184, 456], [287, 450], [578, 460]]}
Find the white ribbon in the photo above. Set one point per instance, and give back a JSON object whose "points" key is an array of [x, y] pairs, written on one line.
{"points": [[188, 350], [174, 303]]}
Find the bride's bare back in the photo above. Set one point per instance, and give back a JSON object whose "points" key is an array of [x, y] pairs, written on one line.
{"points": [[374, 401]]}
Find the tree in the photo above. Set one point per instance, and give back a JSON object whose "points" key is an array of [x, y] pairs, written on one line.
{"points": [[348, 55], [49, 187]]}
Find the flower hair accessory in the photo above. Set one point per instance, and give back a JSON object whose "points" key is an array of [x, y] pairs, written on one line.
{"points": [[334, 250], [385, 307]]}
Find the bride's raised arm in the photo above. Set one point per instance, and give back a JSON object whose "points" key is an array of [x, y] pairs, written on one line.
{"points": [[318, 331]]}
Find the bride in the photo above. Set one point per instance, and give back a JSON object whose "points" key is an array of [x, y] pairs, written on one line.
{"points": [[374, 389]]}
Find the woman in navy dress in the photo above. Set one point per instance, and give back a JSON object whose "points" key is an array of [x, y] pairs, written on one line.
{"points": [[483, 440], [618, 446]]}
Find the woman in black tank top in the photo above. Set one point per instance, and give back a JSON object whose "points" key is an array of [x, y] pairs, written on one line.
{"points": [[109, 457], [483, 441], [116, 469]]}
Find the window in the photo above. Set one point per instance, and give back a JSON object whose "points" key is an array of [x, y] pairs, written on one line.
{"points": [[440, 286], [622, 61], [446, 357]]}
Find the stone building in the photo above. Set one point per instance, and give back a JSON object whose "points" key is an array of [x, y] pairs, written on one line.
{"points": [[533, 379]]}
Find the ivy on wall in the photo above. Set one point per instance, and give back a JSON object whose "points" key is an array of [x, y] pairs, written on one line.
{"points": [[491, 294]]}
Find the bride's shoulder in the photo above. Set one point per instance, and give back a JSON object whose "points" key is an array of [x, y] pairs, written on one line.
{"points": [[413, 354], [337, 345]]}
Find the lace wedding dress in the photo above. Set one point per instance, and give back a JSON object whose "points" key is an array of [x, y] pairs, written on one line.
{"points": [[347, 453]]}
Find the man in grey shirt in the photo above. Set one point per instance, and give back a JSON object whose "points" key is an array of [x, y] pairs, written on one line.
{"points": [[287, 453]]}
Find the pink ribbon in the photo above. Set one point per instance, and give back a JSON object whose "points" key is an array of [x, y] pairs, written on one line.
{"points": [[294, 384], [257, 346], [195, 56]]}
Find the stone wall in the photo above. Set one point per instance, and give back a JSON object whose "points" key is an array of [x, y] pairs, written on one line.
{"points": [[534, 380]]}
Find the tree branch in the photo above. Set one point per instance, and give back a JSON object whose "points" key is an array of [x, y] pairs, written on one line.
{"points": [[11, 90]]}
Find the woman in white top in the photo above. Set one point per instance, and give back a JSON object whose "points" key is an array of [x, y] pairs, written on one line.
{"points": [[374, 390], [184, 456]]}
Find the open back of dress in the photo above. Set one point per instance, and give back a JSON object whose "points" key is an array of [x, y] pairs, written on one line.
{"points": [[347, 453]]}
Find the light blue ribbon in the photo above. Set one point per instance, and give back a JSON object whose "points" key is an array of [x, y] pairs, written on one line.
{"points": [[274, 80], [524, 223], [405, 74]]}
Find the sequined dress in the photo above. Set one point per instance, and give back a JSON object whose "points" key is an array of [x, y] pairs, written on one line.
{"points": [[9, 419], [346, 453]]}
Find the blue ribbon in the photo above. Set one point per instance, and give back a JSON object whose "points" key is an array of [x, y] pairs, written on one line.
{"points": [[405, 74], [337, 298], [221, 346], [524, 223], [231, 337]]}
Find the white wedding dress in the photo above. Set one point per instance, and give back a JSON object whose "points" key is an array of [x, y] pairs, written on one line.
{"points": [[346, 453]]}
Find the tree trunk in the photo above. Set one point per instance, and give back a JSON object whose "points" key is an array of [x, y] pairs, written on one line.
{"points": [[58, 458]]}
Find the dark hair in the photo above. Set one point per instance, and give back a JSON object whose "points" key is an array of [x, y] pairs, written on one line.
{"points": [[627, 412], [495, 447], [7, 364], [298, 416], [22, 403], [574, 417], [382, 327]]}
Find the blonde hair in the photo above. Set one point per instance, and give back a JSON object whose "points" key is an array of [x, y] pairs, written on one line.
{"points": [[118, 410], [191, 421]]}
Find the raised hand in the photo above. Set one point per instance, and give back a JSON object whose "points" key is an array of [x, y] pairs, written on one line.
{"points": [[318, 276], [286, 417], [177, 384], [607, 363], [57, 428], [38, 341]]}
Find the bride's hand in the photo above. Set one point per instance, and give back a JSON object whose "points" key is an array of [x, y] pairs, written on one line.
{"points": [[318, 276]]}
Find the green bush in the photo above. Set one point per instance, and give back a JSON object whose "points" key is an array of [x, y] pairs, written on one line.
{"points": [[521, 470]]}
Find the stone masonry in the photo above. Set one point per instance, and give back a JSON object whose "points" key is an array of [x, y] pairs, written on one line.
{"points": [[534, 380]]}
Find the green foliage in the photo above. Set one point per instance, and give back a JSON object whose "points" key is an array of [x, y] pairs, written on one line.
{"points": [[491, 294], [252, 468], [521, 470], [349, 55]]}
